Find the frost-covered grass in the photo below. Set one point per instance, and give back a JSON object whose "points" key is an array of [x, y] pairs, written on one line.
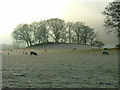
{"points": [[60, 69]]}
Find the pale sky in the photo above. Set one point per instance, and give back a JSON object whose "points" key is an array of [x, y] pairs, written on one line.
{"points": [[14, 12]]}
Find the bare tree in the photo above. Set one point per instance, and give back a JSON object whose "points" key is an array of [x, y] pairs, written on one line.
{"points": [[56, 27], [69, 29], [77, 27], [112, 20], [84, 34], [22, 33], [40, 31], [87, 34]]}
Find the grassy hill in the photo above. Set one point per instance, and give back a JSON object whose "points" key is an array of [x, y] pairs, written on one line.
{"points": [[59, 46]]}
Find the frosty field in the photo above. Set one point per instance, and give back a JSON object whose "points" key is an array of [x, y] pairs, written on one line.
{"points": [[60, 69]]}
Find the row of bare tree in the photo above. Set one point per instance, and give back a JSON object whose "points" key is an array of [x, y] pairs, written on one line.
{"points": [[55, 30]]}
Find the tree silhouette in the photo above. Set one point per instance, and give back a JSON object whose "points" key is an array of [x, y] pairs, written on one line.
{"points": [[56, 27], [40, 31], [22, 33], [112, 20]]}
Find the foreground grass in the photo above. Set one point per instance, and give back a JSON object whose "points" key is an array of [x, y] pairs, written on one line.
{"points": [[61, 69]]}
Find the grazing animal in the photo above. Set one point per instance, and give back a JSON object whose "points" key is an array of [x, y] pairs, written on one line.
{"points": [[74, 49], [92, 48], [25, 52], [8, 53], [105, 52], [45, 50], [33, 53]]}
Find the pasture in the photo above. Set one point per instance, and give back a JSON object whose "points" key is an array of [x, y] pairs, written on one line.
{"points": [[60, 69]]}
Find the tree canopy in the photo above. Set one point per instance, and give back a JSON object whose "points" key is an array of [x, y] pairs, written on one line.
{"points": [[54, 30], [112, 16], [22, 34]]}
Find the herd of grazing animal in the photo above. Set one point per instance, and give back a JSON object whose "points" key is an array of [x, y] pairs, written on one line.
{"points": [[104, 52], [24, 52]]}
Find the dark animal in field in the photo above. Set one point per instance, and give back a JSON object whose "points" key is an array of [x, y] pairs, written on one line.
{"points": [[11, 50], [25, 52], [105, 52], [117, 46], [33, 53], [1, 53], [74, 49], [45, 50], [92, 48], [8, 53]]}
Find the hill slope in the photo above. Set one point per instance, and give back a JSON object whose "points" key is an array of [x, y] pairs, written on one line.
{"points": [[57, 46]]}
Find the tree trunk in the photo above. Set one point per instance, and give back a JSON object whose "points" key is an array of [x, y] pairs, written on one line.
{"points": [[39, 41], [85, 39], [30, 42], [78, 39], [85, 42], [69, 37], [27, 43], [56, 40], [91, 42], [118, 38]]}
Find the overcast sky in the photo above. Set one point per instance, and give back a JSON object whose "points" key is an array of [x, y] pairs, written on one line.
{"points": [[14, 12]]}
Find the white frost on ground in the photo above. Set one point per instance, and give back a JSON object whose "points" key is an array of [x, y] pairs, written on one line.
{"points": [[63, 47], [60, 67]]}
